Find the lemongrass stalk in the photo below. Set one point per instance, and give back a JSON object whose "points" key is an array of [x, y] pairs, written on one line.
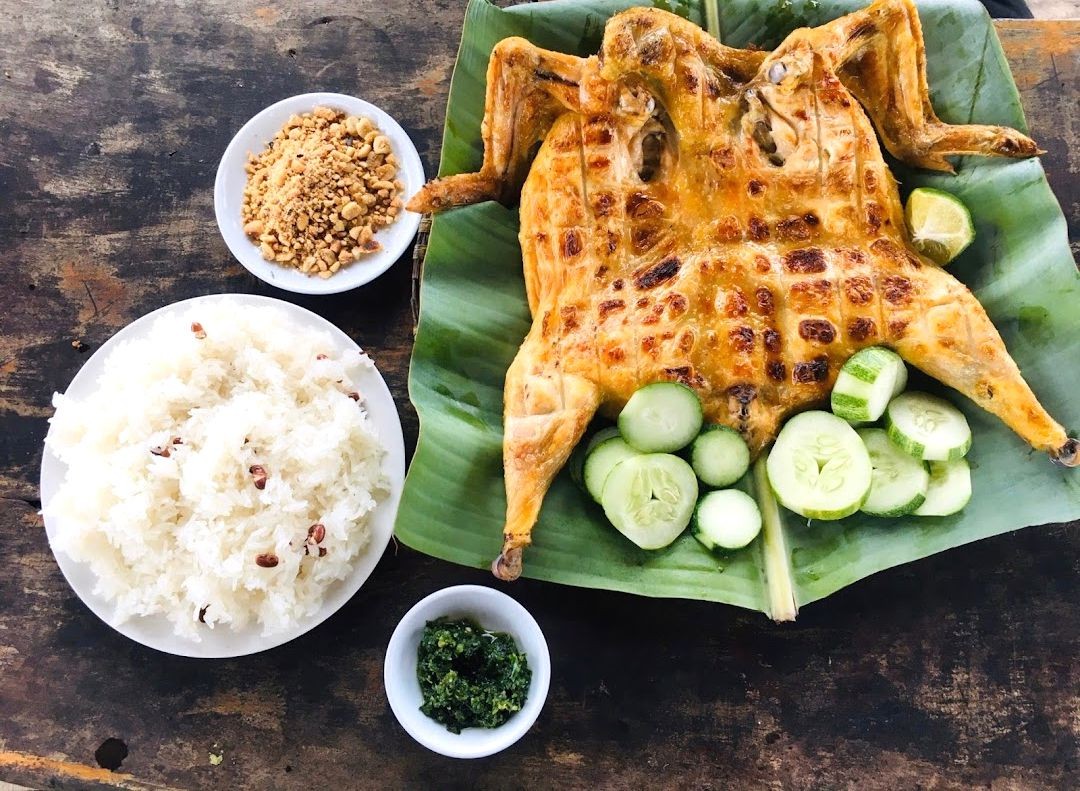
{"points": [[712, 18], [782, 606]]}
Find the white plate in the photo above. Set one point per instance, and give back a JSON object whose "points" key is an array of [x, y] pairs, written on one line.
{"points": [[493, 610], [156, 631], [252, 139]]}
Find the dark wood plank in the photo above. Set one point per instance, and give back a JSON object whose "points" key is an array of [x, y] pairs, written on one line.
{"points": [[954, 672]]}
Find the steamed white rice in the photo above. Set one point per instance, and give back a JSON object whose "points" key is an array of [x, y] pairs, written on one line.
{"points": [[175, 535]]}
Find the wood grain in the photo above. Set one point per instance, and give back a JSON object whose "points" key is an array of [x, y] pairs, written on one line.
{"points": [[955, 672]]}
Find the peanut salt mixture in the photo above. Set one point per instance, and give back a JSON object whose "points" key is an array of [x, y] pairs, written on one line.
{"points": [[318, 193]]}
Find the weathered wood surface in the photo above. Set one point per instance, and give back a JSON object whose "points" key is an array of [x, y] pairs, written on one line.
{"points": [[955, 672]]}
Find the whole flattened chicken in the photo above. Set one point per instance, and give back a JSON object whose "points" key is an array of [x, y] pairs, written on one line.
{"points": [[723, 218]]}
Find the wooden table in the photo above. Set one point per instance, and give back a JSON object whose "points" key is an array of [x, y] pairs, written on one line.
{"points": [[955, 672]]}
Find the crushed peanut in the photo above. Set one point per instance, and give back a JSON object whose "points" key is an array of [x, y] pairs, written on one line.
{"points": [[317, 195]]}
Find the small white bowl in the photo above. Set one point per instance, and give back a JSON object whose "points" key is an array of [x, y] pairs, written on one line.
{"points": [[252, 139], [492, 610]]}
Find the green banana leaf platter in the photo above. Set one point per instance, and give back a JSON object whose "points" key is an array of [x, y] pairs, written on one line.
{"points": [[473, 316]]}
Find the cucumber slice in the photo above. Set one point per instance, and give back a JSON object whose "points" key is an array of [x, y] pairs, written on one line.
{"points": [[950, 488], [940, 224], [650, 498], [601, 460], [818, 467], [661, 418], [899, 481], [719, 456], [927, 427], [602, 435], [729, 519], [866, 383], [577, 458]]}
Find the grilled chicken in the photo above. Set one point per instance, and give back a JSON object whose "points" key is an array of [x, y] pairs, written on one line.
{"points": [[723, 218]]}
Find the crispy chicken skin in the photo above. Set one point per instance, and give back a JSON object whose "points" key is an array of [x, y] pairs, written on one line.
{"points": [[723, 218]]}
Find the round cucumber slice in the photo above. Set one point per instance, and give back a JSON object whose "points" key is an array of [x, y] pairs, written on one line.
{"points": [[728, 519], [577, 458], [602, 435], [899, 481], [927, 427], [601, 460], [719, 456], [661, 418], [950, 488], [940, 224], [818, 467], [866, 383], [650, 498]]}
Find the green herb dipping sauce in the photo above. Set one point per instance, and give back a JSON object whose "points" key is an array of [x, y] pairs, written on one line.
{"points": [[470, 677]]}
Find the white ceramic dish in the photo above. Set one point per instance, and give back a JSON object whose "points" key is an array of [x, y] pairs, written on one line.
{"points": [[252, 139], [492, 610], [156, 631]]}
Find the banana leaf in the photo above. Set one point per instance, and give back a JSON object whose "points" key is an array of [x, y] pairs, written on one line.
{"points": [[474, 316]]}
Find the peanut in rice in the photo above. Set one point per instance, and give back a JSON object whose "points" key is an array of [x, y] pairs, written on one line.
{"points": [[323, 187]]}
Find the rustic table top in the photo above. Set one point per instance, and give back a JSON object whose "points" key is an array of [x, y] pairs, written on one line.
{"points": [[958, 671]]}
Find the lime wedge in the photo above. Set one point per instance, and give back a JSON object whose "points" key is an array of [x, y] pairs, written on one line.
{"points": [[939, 223]]}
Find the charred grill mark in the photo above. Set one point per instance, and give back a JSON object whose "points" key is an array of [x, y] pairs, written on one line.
{"points": [[759, 229], [617, 285], [569, 318], [736, 303], [723, 157], [550, 76], [762, 264], [690, 80], [648, 345], [794, 229], [612, 242], [816, 370], [897, 328], [874, 217], [888, 249], [817, 330], [601, 271], [742, 339], [852, 257], [644, 239], [764, 301], [686, 341], [870, 180], [677, 304], [742, 395], [728, 229], [811, 219], [808, 260], [897, 290], [641, 206], [657, 274], [571, 244], [686, 375], [776, 370], [859, 290], [755, 188], [861, 328], [609, 306], [642, 302], [654, 316], [614, 354], [603, 203], [811, 295], [772, 340]]}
